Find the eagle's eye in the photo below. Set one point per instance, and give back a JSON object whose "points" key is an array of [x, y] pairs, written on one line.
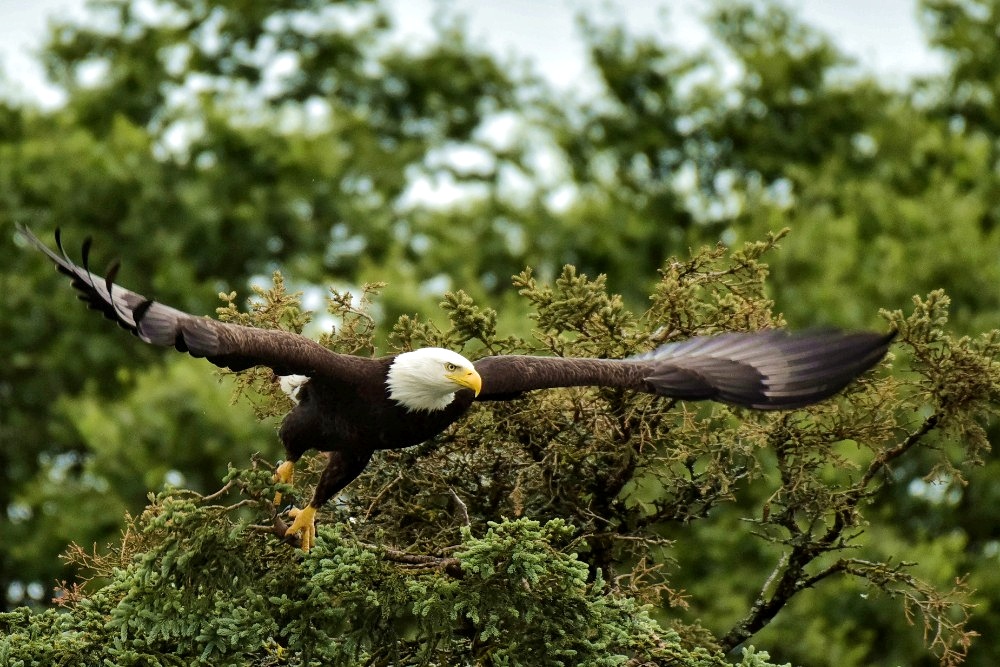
{"points": [[450, 367]]}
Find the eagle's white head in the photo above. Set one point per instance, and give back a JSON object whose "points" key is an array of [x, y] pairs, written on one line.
{"points": [[427, 379]]}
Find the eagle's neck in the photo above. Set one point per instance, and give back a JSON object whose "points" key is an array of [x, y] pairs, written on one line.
{"points": [[415, 381]]}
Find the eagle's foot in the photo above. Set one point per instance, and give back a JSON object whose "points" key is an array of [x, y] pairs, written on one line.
{"points": [[304, 521], [283, 474]]}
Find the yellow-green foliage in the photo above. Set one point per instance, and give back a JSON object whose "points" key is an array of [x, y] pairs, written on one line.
{"points": [[535, 531]]}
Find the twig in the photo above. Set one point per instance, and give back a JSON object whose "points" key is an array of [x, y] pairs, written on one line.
{"points": [[242, 503], [221, 492], [782, 562], [463, 509], [277, 528], [888, 456], [452, 566], [381, 492]]}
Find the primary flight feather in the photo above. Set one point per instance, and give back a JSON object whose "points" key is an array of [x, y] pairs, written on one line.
{"points": [[351, 406]]}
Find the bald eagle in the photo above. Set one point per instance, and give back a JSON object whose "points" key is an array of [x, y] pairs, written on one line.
{"points": [[350, 406]]}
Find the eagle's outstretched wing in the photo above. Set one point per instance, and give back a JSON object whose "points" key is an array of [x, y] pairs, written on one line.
{"points": [[227, 345], [768, 369], [765, 370]]}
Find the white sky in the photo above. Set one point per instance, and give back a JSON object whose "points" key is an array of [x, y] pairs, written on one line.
{"points": [[883, 35]]}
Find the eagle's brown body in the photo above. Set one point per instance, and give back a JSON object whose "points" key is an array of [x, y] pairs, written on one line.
{"points": [[326, 418]]}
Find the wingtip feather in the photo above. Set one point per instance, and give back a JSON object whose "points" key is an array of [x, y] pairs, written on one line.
{"points": [[766, 370]]}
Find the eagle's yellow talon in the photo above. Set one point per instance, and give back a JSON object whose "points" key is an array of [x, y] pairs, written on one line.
{"points": [[283, 474], [304, 521]]}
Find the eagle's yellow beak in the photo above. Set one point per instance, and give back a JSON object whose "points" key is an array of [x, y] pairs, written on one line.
{"points": [[468, 378]]}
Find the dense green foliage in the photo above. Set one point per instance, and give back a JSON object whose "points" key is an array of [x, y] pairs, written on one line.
{"points": [[207, 144], [346, 603]]}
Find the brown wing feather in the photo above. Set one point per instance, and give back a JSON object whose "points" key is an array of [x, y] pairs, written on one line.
{"points": [[766, 370], [227, 345]]}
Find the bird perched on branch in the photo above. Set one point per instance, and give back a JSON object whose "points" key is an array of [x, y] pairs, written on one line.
{"points": [[351, 406]]}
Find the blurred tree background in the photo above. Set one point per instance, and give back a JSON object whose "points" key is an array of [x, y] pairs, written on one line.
{"points": [[209, 143]]}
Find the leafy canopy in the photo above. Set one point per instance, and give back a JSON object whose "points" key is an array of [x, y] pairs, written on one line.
{"points": [[588, 502]]}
